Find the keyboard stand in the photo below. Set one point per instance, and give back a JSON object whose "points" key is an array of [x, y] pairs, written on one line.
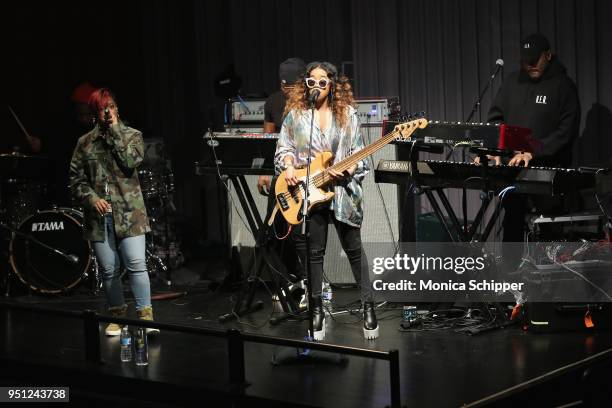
{"points": [[465, 234], [440, 200], [267, 259]]}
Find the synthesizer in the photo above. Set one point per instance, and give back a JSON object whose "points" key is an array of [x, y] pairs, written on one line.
{"points": [[445, 174], [237, 153], [491, 135]]}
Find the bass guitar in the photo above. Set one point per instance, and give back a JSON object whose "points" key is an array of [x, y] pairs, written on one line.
{"points": [[289, 199]]}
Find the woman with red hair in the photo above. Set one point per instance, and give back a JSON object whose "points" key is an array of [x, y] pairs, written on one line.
{"points": [[103, 178]]}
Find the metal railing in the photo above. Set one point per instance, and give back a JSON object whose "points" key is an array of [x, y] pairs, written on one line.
{"points": [[235, 342]]}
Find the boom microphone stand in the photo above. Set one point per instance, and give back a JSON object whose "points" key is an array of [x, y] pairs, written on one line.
{"points": [[307, 355], [499, 64]]}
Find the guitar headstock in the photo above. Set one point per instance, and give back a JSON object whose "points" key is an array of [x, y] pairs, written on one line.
{"points": [[411, 125]]}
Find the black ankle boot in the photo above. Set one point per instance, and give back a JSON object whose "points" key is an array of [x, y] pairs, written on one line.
{"points": [[370, 324], [318, 318]]}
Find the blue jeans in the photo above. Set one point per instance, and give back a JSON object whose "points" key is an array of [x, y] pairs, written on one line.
{"points": [[131, 252]]}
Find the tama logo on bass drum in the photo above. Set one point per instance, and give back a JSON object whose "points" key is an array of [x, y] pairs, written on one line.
{"points": [[48, 226]]}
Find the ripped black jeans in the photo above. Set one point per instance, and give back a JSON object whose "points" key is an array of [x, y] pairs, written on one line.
{"points": [[350, 238]]}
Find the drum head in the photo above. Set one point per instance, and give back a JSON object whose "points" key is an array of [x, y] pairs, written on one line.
{"points": [[42, 269]]}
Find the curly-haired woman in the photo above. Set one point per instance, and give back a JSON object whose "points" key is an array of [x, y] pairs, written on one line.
{"points": [[335, 130]]}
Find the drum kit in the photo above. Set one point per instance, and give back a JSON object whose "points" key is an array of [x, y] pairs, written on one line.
{"points": [[45, 248]]}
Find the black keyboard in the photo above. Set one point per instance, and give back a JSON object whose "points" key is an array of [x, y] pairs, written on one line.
{"points": [[527, 180], [237, 154], [478, 134]]}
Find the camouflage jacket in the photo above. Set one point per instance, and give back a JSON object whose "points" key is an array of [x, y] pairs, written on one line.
{"points": [[105, 166]]}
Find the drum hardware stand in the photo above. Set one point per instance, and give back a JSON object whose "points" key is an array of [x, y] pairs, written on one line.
{"points": [[95, 269], [164, 199], [6, 285], [150, 246], [28, 265], [6, 281], [151, 255]]}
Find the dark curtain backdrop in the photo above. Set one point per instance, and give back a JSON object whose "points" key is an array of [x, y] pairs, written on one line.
{"points": [[437, 55], [161, 58]]}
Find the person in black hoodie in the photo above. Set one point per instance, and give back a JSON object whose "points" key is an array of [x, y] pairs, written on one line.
{"points": [[539, 96]]}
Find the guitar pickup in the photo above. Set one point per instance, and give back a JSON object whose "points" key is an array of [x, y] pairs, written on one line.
{"points": [[282, 201]]}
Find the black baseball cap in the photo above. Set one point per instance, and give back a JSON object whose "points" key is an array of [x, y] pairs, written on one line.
{"points": [[532, 47], [290, 70]]}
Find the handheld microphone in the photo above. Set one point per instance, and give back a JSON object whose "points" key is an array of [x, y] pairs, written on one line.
{"points": [[313, 96], [107, 117], [105, 125]]}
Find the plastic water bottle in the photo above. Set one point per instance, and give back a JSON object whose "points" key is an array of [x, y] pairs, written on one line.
{"points": [[126, 344], [326, 294], [142, 347], [409, 314]]}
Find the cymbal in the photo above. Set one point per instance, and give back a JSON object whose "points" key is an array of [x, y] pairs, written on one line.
{"points": [[13, 154], [21, 166], [16, 155]]}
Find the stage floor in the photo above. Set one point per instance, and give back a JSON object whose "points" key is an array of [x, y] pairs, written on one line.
{"points": [[441, 368]]}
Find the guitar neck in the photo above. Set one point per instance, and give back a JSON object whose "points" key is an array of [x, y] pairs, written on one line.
{"points": [[353, 159]]}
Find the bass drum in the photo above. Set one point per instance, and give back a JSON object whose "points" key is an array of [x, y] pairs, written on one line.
{"points": [[42, 269]]}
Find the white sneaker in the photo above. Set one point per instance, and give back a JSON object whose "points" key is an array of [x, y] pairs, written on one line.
{"points": [[320, 334]]}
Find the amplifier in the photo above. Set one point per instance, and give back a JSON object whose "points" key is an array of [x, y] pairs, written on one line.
{"points": [[248, 111], [375, 111], [371, 111], [569, 227], [379, 200]]}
